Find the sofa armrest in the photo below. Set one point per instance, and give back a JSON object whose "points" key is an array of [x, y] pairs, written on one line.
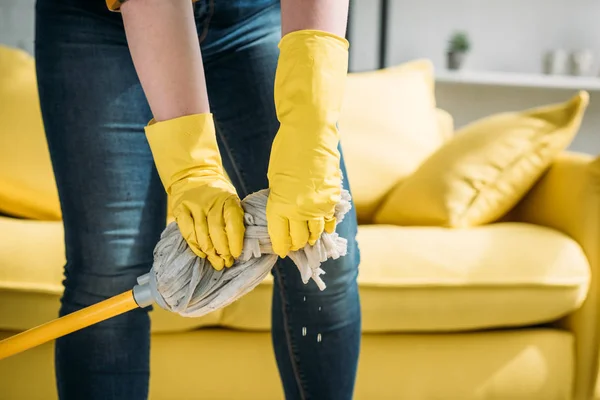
{"points": [[567, 198]]}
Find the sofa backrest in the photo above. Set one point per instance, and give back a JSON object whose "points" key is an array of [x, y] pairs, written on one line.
{"points": [[389, 126]]}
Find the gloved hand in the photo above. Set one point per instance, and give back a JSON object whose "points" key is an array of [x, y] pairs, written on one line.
{"points": [[205, 204], [304, 169]]}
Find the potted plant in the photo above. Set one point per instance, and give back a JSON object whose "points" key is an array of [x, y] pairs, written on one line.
{"points": [[458, 46]]}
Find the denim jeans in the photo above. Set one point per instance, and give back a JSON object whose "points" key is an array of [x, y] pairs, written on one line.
{"points": [[114, 206]]}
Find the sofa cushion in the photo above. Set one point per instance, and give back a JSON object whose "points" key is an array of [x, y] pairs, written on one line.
{"points": [[483, 172], [445, 123], [389, 126], [27, 187], [499, 275], [411, 279], [438, 279]]}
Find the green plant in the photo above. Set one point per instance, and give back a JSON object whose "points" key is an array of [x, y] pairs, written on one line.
{"points": [[459, 42]]}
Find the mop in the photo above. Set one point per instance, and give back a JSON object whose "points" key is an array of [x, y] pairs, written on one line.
{"points": [[183, 283]]}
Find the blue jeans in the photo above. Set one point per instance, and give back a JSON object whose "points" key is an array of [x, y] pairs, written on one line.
{"points": [[114, 205]]}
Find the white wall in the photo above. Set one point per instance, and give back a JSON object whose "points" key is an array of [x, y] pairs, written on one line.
{"points": [[364, 34], [16, 23], [507, 35]]}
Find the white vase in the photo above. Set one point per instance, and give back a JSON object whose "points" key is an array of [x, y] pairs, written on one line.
{"points": [[581, 62], [555, 62]]}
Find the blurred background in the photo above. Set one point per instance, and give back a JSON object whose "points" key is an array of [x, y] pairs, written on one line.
{"points": [[506, 66]]}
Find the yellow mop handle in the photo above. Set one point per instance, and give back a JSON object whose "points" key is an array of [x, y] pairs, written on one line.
{"points": [[69, 323]]}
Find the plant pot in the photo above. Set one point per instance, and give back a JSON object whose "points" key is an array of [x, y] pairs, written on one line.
{"points": [[456, 59]]}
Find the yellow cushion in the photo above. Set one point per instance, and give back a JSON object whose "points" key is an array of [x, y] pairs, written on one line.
{"points": [[389, 126], [445, 124], [432, 279], [27, 187], [488, 166]]}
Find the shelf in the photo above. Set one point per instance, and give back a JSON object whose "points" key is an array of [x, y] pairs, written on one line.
{"points": [[510, 79]]}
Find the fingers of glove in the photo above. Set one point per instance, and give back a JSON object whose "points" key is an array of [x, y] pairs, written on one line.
{"points": [[218, 236], [233, 215], [205, 242], [279, 232], [315, 229], [185, 223], [330, 224], [298, 234], [218, 262]]}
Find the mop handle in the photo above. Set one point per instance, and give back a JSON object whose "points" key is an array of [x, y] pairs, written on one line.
{"points": [[106, 309]]}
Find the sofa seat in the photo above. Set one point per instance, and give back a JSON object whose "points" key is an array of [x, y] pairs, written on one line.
{"points": [[423, 279], [417, 279], [32, 272]]}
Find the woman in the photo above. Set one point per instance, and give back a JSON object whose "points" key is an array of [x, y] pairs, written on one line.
{"points": [[242, 106]]}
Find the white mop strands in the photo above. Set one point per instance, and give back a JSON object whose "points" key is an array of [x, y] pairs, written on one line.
{"points": [[181, 282]]}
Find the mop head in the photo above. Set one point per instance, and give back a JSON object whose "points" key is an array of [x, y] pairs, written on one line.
{"points": [[183, 283]]}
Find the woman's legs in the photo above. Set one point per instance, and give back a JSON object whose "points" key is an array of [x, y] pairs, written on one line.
{"points": [[112, 201], [316, 335], [114, 208]]}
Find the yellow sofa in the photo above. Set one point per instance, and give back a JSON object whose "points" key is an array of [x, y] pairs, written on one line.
{"points": [[501, 311]]}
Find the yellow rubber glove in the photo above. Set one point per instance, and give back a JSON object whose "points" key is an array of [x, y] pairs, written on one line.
{"points": [[304, 169], [205, 204]]}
